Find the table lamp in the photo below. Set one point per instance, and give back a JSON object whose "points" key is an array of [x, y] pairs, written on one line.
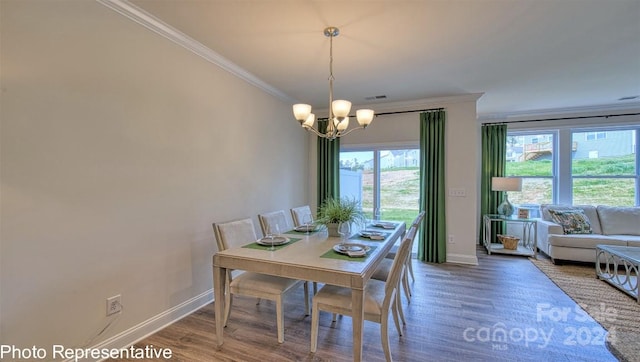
{"points": [[506, 184]]}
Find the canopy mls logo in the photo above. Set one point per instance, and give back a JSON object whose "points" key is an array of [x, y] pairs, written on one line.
{"points": [[565, 327]]}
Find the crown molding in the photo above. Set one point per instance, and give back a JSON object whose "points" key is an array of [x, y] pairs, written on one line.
{"points": [[532, 115], [138, 15]]}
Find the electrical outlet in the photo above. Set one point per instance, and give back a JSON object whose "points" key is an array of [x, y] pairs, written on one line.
{"points": [[113, 305], [457, 192], [451, 239]]}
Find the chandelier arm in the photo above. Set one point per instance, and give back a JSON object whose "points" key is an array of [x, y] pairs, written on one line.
{"points": [[319, 134], [340, 134]]}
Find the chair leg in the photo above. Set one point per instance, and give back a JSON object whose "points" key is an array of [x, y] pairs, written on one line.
{"points": [[315, 288], [280, 318], [398, 303], [306, 298], [257, 301], [315, 314], [405, 286], [228, 299], [334, 317], [410, 267], [396, 310], [384, 336]]}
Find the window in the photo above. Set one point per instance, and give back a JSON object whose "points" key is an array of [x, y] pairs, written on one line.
{"points": [[383, 179], [603, 169], [576, 166], [530, 157], [592, 136]]}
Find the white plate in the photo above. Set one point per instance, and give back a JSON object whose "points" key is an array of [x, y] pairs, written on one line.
{"points": [[305, 228], [384, 225], [371, 234], [351, 249], [278, 240]]}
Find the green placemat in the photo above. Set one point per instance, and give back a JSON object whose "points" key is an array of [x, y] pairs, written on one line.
{"points": [[358, 237], [268, 247], [332, 254]]}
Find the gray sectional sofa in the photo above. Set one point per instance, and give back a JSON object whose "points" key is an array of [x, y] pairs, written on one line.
{"points": [[576, 241]]}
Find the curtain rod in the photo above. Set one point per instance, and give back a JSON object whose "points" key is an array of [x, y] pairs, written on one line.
{"points": [[398, 112], [563, 118]]}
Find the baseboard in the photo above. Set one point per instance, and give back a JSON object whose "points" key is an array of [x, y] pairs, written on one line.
{"points": [[150, 326], [462, 259]]}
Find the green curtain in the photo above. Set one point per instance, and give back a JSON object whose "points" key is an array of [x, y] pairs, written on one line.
{"points": [[433, 240], [494, 144], [328, 166]]}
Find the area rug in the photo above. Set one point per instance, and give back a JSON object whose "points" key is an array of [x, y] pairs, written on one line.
{"points": [[616, 311]]}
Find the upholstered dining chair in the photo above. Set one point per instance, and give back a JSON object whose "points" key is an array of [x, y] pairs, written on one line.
{"points": [[384, 269], [379, 299], [392, 254], [235, 234], [270, 219], [298, 214]]}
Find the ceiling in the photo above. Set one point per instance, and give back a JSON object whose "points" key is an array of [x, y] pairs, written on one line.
{"points": [[523, 55]]}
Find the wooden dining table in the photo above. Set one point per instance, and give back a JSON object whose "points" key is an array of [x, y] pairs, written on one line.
{"points": [[309, 257]]}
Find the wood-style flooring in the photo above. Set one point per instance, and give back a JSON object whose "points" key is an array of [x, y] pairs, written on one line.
{"points": [[504, 309]]}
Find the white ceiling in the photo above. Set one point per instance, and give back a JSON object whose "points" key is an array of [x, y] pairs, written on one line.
{"points": [[524, 55]]}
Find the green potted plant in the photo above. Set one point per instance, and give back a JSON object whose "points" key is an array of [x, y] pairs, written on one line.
{"points": [[334, 211]]}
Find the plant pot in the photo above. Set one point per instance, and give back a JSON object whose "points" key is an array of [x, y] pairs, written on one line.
{"points": [[332, 229]]}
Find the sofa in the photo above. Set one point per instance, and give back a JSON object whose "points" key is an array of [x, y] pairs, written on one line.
{"points": [[571, 233]]}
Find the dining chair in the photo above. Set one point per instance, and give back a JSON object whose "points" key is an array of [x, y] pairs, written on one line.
{"points": [[384, 269], [270, 219], [379, 299], [392, 253], [298, 214], [235, 234]]}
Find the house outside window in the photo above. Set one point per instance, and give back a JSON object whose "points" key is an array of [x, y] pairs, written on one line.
{"points": [[530, 157]]}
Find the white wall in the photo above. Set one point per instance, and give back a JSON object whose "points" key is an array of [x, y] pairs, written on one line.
{"points": [[462, 162], [118, 151]]}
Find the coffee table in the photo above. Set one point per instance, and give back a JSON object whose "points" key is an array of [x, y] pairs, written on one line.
{"points": [[618, 266]]}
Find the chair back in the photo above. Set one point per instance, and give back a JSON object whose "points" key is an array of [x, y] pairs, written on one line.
{"points": [[393, 279], [234, 233], [418, 220], [298, 214], [270, 219]]}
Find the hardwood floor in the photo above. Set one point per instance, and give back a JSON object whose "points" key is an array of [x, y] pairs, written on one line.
{"points": [[457, 313]]}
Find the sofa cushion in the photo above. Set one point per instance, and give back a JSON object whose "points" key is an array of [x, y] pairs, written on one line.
{"points": [[619, 220], [584, 241], [589, 210], [572, 221]]}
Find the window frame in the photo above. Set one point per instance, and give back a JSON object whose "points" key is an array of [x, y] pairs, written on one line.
{"points": [[562, 179]]}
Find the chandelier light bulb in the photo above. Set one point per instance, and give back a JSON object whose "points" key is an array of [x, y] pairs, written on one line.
{"points": [[308, 123], [364, 116], [343, 124], [341, 108], [301, 111]]}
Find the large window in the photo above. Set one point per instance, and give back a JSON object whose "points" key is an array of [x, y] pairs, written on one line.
{"points": [[386, 181], [596, 166]]}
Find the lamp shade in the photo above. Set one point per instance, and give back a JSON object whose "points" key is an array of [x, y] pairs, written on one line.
{"points": [[364, 116], [301, 111], [341, 108], [506, 184]]}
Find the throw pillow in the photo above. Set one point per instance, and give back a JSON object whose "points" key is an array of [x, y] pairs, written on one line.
{"points": [[572, 221]]}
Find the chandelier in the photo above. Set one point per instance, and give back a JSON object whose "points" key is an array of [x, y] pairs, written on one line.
{"points": [[338, 120]]}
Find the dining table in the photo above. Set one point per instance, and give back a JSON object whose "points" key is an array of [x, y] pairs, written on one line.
{"points": [[311, 257]]}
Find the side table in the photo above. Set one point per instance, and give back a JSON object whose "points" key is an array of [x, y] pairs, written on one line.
{"points": [[528, 244]]}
